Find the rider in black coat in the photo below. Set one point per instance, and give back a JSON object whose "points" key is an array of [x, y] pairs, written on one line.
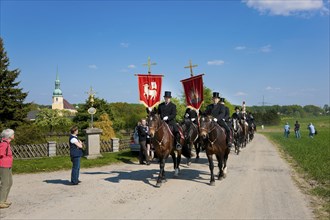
{"points": [[220, 114], [167, 112], [191, 115]]}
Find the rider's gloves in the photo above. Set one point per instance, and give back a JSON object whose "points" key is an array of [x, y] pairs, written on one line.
{"points": [[193, 119], [214, 119], [186, 115], [165, 118]]}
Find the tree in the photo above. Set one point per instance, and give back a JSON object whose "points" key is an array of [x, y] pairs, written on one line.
{"points": [[52, 120], [105, 124], [13, 110]]}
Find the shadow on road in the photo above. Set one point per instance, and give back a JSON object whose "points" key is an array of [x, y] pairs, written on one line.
{"points": [[58, 181]]}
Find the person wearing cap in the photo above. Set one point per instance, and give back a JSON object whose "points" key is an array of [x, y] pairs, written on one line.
{"points": [[167, 112], [6, 164], [218, 111]]}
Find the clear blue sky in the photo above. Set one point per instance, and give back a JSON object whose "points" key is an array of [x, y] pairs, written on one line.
{"points": [[246, 49]]}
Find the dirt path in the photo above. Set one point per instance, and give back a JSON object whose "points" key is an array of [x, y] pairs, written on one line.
{"points": [[258, 186]]}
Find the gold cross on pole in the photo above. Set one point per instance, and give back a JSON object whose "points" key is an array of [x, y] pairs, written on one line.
{"points": [[91, 93], [191, 68], [149, 64]]}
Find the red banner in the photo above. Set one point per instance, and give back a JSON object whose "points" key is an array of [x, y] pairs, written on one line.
{"points": [[150, 87], [193, 89]]}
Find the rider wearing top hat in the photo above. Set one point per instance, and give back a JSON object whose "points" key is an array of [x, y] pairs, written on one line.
{"points": [[237, 115], [167, 112], [219, 113]]}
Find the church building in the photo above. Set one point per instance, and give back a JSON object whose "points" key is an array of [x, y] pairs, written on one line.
{"points": [[58, 101]]}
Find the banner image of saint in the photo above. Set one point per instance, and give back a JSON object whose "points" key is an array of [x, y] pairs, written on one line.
{"points": [[193, 89]]}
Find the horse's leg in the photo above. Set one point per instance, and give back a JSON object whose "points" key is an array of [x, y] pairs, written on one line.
{"points": [[189, 158], [198, 149], [219, 158], [175, 163], [161, 175], [225, 158], [211, 166]]}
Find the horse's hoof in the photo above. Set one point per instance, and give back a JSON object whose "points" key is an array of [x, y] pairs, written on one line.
{"points": [[158, 184], [212, 183], [176, 172], [224, 175], [164, 180], [189, 163]]}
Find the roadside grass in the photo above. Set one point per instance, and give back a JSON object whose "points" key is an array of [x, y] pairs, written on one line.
{"points": [[50, 164], [311, 155]]}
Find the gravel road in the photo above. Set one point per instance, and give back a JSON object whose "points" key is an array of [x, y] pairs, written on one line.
{"points": [[258, 186]]}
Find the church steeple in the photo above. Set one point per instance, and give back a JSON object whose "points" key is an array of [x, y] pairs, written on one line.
{"points": [[57, 91]]}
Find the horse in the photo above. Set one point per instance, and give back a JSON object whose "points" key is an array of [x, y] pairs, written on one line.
{"points": [[237, 134], [191, 138], [245, 133], [214, 138], [251, 131], [163, 142]]}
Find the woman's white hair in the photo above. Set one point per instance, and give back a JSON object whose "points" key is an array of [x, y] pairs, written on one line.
{"points": [[7, 133]]}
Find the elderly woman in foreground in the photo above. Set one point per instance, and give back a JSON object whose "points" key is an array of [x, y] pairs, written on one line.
{"points": [[6, 163]]}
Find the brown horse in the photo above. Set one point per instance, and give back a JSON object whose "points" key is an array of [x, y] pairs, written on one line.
{"points": [[245, 132], [238, 135], [214, 138], [163, 142], [191, 138]]}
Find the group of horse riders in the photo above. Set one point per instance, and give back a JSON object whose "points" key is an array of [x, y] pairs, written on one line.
{"points": [[218, 110]]}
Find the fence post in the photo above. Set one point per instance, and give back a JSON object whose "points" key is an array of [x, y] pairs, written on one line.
{"points": [[51, 147], [93, 143], [115, 144]]}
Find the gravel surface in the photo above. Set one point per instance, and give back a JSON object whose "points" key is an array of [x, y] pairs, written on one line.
{"points": [[258, 186]]}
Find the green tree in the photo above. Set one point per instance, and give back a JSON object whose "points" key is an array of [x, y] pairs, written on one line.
{"points": [[13, 110], [53, 120], [29, 133], [105, 124]]}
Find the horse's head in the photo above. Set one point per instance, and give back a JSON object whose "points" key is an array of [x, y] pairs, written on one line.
{"points": [[205, 125], [153, 123]]}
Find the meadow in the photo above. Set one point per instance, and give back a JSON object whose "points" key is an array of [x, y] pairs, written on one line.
{"points": [[309, 156]]}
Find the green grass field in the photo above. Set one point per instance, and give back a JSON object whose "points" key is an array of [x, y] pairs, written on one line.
{"points": [[64, 162], [311, 155]]}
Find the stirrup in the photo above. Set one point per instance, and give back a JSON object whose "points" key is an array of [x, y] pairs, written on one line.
{"points": [[178, 146]]}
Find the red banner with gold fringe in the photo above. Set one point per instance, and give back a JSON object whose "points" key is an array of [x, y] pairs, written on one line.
{"points": [[193, 89]]}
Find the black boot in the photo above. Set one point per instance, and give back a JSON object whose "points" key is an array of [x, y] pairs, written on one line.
{"points": [[178, 138], [228, 140]]}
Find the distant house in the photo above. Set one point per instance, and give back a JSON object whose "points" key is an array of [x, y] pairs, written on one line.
{"points": [[32, 115]]}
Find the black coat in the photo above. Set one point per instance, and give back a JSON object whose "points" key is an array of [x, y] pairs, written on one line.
{"points": [[142, 132], [218, 111], [236, 116], [189, 114], [168, 110]]}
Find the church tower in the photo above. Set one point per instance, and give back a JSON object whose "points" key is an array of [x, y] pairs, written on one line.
{"points": [[57, 95]]}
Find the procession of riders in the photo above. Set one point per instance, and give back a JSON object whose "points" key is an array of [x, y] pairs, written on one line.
{"points": [[239, 127]]}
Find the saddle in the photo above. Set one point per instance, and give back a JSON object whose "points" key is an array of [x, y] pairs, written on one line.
{"points": [[170, 128]]}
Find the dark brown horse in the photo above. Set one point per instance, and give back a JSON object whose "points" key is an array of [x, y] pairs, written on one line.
{"points": [[163, 142], [191, 139], [245, 129], [238, 135], [214, 138]]}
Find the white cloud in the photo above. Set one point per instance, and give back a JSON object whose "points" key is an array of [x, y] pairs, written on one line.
{"points": [[266, 49], [269, 88], [287, 7], [132, 66], [240, 94], [92, 66], [216, 62], [124, 45], [240, 48]]}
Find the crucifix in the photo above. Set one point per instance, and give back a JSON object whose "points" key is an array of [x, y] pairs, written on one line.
{"points": [[191, 68], [149, 64]]}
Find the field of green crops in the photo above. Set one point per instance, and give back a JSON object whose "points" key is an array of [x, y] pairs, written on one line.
{"points": [[312, 155]]}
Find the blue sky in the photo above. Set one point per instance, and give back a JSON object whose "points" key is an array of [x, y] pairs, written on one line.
{"points": [[247, 49]]}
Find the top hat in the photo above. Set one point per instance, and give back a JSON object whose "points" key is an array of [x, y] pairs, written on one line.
{"points": [[167, 94], [222, 99], [216, 95]]}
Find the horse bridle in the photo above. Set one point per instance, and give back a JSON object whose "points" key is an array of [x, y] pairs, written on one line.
{"points": [[204, 129], [159, 142]]}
